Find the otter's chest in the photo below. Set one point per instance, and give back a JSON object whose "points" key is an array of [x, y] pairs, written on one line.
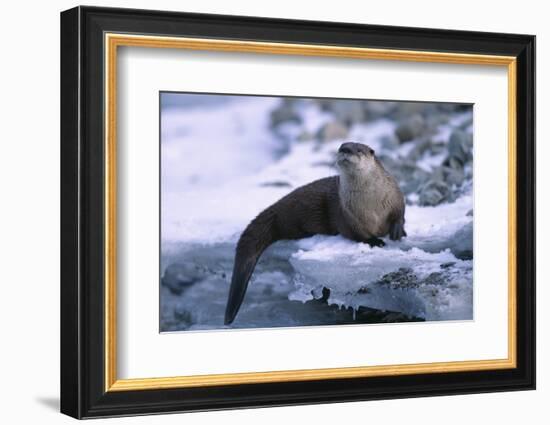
{"points": [[366, 212]]}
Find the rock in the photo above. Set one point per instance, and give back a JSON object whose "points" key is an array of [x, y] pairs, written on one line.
{"points": [[437, 147], [346, 111], [463, 242], [394, 317], [404, 110], [410, 128], [390, 141], [420, 147], [183, 317], [325, 295], [375, 109], [416, 180], [305, 136], [447, 107], [444, 184], [460, 149], [433, 193], [285, 113], [435, 279], [277, 183], [466, 125], [451, 176], [180, 276], [436, 119], [403, 278], [409, 176], [333, 130], [330, 164]]}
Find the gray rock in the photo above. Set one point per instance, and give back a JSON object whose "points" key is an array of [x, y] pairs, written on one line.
{"points": [[305, 136], [409, 176], [404, 110], [418, 178], [183, 317], [463, 242], [460, 149], [433, 193], [277, 183], [349, 112], [448, 107], [437, 147], [285, 113], [404, 278], [436, 119], [390, 141], [434, 279], [420, 147], [329, 164], [346, 111], [451, 176], [377, 109], [180, 276], [445, 184], [410, 128], [333, 130]]}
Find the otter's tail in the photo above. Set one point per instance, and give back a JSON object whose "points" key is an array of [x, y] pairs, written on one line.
{"points": [[259, 234]]}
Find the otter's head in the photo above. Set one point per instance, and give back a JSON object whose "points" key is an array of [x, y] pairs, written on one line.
{"points": [[355, 159]]}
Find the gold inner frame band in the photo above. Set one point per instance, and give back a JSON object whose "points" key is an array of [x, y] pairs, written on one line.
{"points": [[113, 41]]}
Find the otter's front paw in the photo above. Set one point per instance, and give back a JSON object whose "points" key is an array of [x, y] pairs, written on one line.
{"points": [[375, 242]]}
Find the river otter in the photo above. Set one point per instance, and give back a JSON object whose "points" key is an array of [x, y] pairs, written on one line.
{"points": [[363, 204]]}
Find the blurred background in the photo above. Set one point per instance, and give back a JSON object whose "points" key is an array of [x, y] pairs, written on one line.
{"points": [[224, 158]]}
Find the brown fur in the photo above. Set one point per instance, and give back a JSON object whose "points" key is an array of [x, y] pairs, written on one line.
{"points": [[363, 204]]}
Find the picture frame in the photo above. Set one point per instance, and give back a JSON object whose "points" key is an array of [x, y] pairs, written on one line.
{"points": [[91, 37]]}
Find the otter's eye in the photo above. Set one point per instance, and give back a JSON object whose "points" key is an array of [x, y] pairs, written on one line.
{"points": [[371, 151]]}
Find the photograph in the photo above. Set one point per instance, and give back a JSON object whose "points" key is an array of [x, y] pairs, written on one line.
{"points": [[280, 211]]}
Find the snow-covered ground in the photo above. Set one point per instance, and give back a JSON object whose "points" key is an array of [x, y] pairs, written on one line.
{"points": [[224, 159]]}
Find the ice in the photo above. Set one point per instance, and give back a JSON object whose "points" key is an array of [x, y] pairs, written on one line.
{"points": [[432, 286], [434, 229]]}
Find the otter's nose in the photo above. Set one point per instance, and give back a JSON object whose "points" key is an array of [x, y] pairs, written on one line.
{"points": [[348, 148]]}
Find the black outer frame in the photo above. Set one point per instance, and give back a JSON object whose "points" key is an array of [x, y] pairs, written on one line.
{"points": [[82, 219]]}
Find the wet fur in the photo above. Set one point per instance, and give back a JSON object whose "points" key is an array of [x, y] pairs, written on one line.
{"points": [[362, 207]]}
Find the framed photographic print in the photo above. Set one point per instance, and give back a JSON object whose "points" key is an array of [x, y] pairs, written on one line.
{"points": [[261, 212]]}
